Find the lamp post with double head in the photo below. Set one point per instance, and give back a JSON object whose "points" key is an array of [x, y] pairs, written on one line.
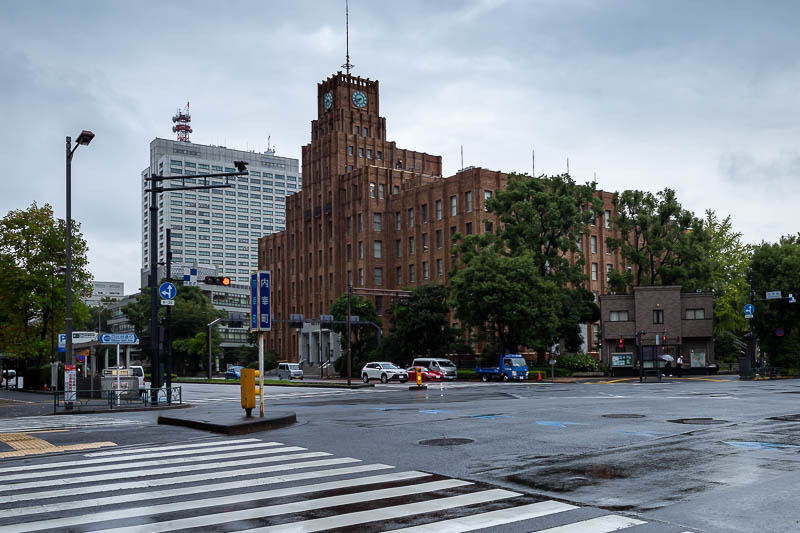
{"points": [[84, 138]]}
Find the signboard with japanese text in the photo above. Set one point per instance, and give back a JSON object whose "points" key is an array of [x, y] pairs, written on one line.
{"points": [[70, 383], [264, 297], [254, 301], [621, 359]]}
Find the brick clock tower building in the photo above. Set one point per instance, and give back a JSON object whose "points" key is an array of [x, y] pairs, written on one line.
{"points": [[374, 215]]}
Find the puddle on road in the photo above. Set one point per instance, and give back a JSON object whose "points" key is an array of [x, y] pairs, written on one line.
{"points": [[567, 479]]}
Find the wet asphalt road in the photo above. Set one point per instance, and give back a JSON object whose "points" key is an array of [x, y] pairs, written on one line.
{"points": [[715, 454]]}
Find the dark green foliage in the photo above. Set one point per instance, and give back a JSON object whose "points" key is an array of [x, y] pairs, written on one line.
{"points": [[664, 243], [420, 326], [776, 267], [364, 338], [728, 347], [578, 362], [32, 246], [518, 287]]}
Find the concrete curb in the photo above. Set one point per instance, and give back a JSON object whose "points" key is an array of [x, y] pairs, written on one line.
{"points": [[123, 410], [238, 426]]}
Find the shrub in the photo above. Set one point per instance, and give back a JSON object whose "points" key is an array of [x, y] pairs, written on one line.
{"points": [[578, 362]]}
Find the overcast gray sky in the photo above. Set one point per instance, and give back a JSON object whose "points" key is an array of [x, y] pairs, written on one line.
{"points": [[698, 96]]}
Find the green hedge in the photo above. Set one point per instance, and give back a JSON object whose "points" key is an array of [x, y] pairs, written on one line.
{"points": [[579, 362]]}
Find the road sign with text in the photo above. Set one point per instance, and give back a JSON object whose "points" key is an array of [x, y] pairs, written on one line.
{"points": [[260, 301]]}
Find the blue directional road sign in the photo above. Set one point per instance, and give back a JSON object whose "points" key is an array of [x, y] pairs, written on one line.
{"points": [[264, 297], [167, 290], [792, 298], [119, 338], [254, 301], [749, 309]]}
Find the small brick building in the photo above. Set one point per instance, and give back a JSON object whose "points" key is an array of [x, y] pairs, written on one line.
{"points": [[673, 323]]}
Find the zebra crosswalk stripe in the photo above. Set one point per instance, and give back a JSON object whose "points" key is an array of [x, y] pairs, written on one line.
{"points": [[113, 459], [190, 487], [40, 423], [490, 519]]}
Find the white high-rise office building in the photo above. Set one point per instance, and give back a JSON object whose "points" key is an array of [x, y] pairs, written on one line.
{"points": [[216, 228]]}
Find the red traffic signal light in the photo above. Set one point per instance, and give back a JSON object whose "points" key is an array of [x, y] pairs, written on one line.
{"points": [[621, 342], [217, 280]]}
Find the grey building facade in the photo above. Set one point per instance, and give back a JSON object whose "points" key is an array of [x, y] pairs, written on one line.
{"points": [[217, 228]]}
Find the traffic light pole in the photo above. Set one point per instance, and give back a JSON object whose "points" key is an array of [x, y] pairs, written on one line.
{"points": [[155, 189]]}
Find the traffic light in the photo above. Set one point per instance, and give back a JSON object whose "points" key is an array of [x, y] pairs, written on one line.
{"points": [[218, 280], [621, 344]]}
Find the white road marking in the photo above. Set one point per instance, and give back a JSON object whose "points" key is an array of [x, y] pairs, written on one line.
{"points": [[219, 454], [39, 423], [143, 473], [175, 447], [293, 507], [490, 519], [387, 513], [601, 524], [207, 451], [147, 510], [207, 476]]}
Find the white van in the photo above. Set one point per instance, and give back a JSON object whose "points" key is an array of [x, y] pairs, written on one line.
{"points": [[439, 364], [289, 371]]}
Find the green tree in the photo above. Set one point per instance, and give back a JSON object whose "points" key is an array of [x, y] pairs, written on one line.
{"points": [[730, 259], [364, 338], [776, 267], [190, 315], [662, 242], [534, 261], [32, 295], [420, 326]]}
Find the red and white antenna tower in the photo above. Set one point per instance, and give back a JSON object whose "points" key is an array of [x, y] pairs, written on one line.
{"points": [[182, 119]]}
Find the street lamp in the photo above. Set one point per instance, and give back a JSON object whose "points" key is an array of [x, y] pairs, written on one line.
{"points": [[84, 138]]}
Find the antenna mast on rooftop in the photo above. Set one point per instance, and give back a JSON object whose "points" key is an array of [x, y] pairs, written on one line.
{"points": [[347, 65], [182, 118]]}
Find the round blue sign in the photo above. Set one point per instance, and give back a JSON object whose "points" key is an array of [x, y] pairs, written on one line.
{"points": [[749, 309], [167, 291], [779, 332]]}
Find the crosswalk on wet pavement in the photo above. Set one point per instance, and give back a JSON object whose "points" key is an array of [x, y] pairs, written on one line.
{"points": [[253, 485]]}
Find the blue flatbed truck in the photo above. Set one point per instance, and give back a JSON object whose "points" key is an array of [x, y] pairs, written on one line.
{"points": [[511, 366]]}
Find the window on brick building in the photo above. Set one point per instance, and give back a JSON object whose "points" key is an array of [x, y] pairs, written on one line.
{"points": [[355, 130], [397, 221], [424, 213], [487, 195], [618, 316], [411, 246], [469, 228], [395, 189], [399, 275], [349, 150], [438, 238], [365, 131], [468, 201], [360, 222], [695, 314], [372, 190], [360, 152], [425, 270], [594, 271], [399, 245], [377, 221], [453, 206], [360, 250], [411, 274], [607, 219], [488, 227], [361, 276], [410, 217], [658, 316], [377, 276], [439, 269], [381, 191], [377, 249], [349, 253], [438, 209], [594, 244]]}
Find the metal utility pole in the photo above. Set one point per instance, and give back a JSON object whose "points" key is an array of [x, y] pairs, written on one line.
{"points": [[349, 354], [168, 332], [155, 189], [640, 354], [210, 344], [84, 138]]}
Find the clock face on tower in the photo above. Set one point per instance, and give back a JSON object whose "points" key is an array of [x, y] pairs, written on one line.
{"points": [[328, 101], [359, 99]]}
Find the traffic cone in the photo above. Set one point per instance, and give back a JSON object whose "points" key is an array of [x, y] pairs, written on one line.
{"points": [[540, 376]]}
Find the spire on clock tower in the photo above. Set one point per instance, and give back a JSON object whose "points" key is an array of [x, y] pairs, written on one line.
{"points": [[347, 65]]}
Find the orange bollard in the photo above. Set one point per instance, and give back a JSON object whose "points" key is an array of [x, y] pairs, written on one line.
{"points": [[540, 376]]}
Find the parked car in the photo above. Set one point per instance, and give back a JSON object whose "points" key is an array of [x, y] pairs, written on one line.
{"points": [[9, 379], [383, 371], [438, 364], [289, 371], [234, 372], [427, 374]]}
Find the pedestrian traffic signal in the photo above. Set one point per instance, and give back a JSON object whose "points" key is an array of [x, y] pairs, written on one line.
{"points": [[621, 343], [218, 280]]}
